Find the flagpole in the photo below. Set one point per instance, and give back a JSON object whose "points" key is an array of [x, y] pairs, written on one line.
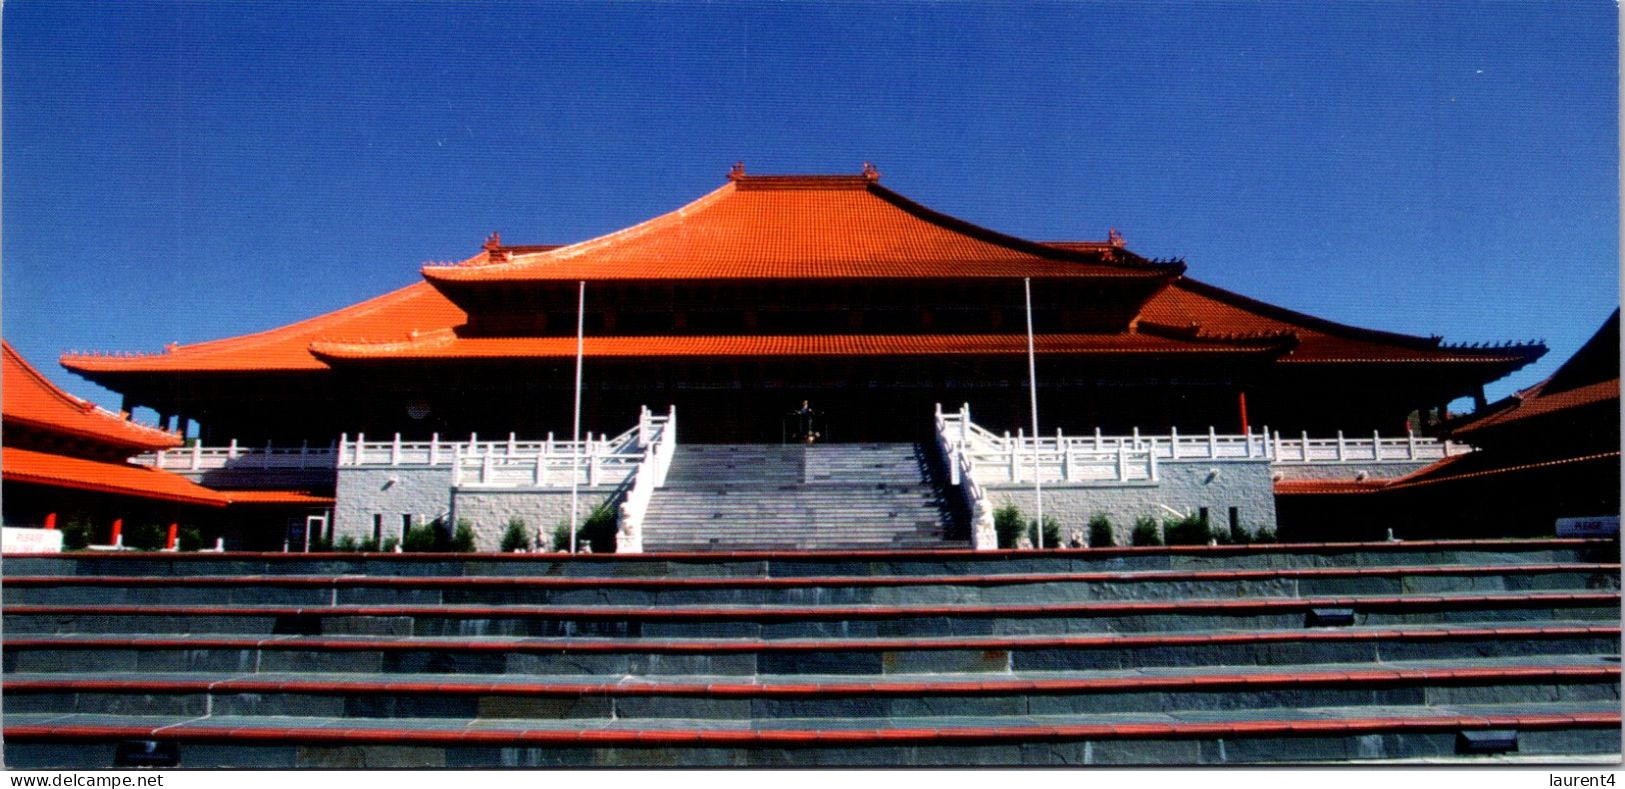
{"points": [[1032, 380], [575, 443]]}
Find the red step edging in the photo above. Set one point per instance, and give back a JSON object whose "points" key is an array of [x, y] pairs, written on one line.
{"points": [[1194, 682], [935, 554], [192, 732], [862, 612], [594, 582], [542, 645]]}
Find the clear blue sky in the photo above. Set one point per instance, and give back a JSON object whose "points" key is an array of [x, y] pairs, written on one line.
{"points": [[189, 171]]}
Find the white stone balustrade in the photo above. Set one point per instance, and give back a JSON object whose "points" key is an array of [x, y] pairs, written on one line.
{"points": [[658, 435], [1134, 458]]}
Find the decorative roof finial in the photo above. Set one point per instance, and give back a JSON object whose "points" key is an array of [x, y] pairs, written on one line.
{"points": [[493, 242], [1114, 237], [737, 171], [870, 172]]}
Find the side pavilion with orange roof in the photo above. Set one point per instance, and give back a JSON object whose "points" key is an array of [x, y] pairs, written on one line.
{"points": [[773, 290], [66, 462]]}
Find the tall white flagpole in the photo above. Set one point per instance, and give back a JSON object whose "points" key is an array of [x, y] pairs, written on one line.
{"points": [[575, 444], [1032, 379]]}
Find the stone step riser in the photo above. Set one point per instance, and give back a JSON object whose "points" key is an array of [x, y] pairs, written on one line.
{"points": [[499, 705], [932, 563], [1056, 591], [611, 625], [746, 665], [292, 752]]}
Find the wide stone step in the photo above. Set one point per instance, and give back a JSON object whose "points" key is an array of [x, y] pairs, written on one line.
{"points": [[43, 740], [790, 621], [806, 590], [767, 563], [1534, 681], [747, 657]]}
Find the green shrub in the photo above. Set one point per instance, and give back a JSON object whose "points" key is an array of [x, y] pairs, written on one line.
{"points": [[1189, 530], [390, 544], [1052, 533], [368, 545], [144, 537], [347, 544], [76, 535], [191, 539], [1264, 535], [1100, 531], [463, 540], [422, 538], [596, 533], [517, 537], [1146, 532], [599, 529], [1007, 524]]}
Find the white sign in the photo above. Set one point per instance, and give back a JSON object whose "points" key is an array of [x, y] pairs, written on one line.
{"points": [[18, 540], [1602, 526]]}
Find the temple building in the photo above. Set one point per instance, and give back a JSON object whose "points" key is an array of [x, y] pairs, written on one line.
{"points": [[66, 464], [771, 291]]}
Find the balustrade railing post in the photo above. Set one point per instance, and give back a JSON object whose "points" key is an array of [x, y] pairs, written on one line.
{"points": [[1151, 464], [1173, 443], [265, 460], [1015, 456], [513, 447], [304, 452], [1212, 443], [1136, 436], [1264, 443], [1099, 447], [1122, 462], [231, 450], [1303, 449], [1376, 445], [197, 455], [1341, 449], [395, 450], [434, 449], [1410, 443], [1247, 438], [344, 441]]}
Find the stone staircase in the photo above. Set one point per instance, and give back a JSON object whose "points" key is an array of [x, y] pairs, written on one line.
{"points": [[777, 497], [1410, 652]]}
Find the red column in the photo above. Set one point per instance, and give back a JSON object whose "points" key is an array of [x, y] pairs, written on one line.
{"points": [[118, 531], [50, 520], [169, 545], [1241, 397]]}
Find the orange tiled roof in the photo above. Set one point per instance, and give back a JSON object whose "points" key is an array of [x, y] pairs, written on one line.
{"points": [[1320, 487], [798, 227], [30, 399], [1443, 472], [416, 307], [1534, 402], [276, 497], [446, 345], [124, 479], [1199, 309]]}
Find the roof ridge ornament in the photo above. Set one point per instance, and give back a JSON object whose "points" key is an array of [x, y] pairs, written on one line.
{"points": [[870, 173], [493, 242], [737, 172], [1114, 238]]}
